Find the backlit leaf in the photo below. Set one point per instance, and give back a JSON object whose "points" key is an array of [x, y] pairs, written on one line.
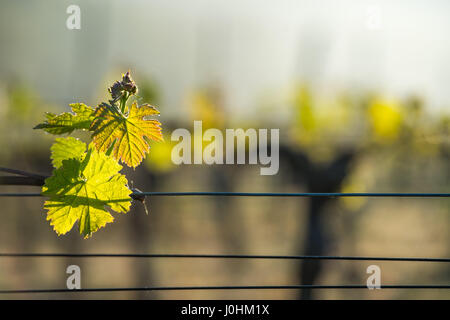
{"points": [[67, 122], [125, 135], [66, 148], [80, 190]]}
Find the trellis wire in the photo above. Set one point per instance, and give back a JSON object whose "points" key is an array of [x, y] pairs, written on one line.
{"points": [[179, 288], [268, 194], [240, 194], [217, 256]]}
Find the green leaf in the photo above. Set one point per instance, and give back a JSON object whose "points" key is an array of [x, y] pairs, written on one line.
{"points": [[67, 122], [66, 148], [80, 190], [125, 136]]}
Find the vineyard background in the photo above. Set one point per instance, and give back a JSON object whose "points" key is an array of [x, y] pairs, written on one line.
{"points": [[358, 110]]}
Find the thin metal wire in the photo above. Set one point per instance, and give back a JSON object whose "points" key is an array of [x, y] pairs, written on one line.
{"points": [[304, 194], [267, 194], [276, 287], [20, 195], [216, 256], [241, 194]]}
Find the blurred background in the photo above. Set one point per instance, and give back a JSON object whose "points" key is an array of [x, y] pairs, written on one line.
{"points": [[360, 91]]}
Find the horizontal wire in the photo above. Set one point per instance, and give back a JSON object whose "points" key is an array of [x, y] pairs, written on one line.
{"points": [[304, 194], [266, 194], [20, 195], [287, 287], [216, 256]]}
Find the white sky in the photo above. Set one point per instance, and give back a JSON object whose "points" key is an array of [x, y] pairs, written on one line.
{"points": [[250, 47]]}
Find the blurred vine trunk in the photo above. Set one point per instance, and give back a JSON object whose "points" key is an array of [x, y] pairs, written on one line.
{"points": [[230, 232], [314, 244], [317, 179]]}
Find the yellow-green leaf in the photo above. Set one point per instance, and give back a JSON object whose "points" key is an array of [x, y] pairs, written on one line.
{"points": [[386, 118], [67, 122], [66, 148], [80, 190], [126, 134]]}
